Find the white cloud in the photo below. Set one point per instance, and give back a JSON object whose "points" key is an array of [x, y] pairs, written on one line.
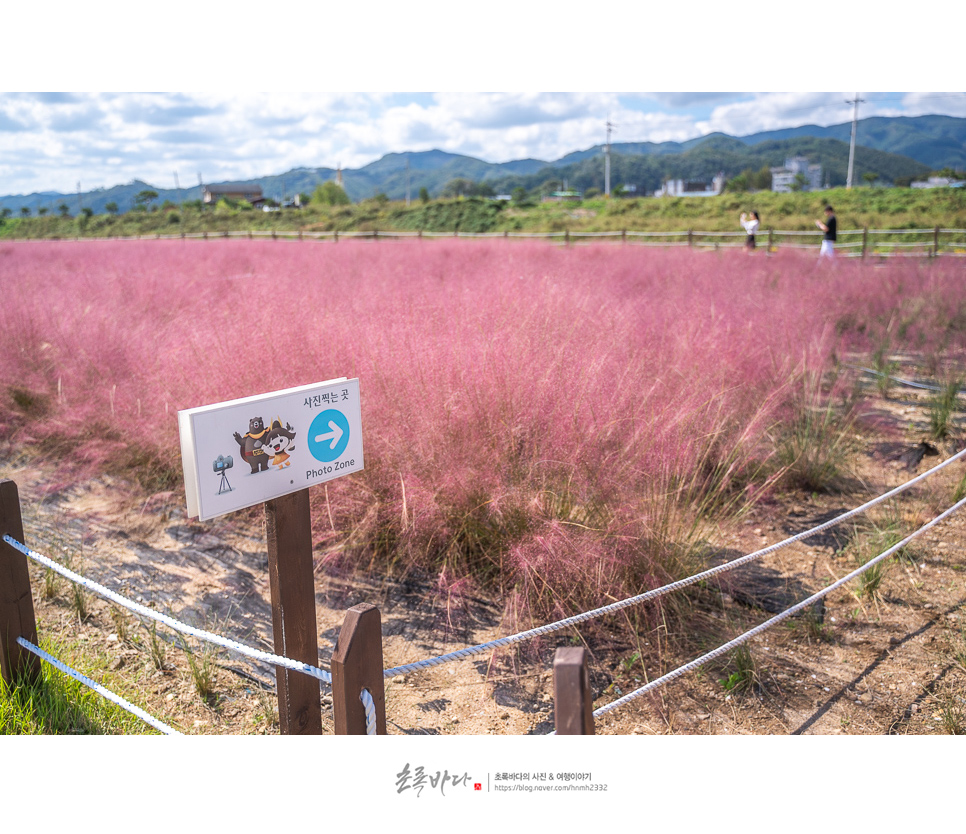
{"points": [[53, 141]]}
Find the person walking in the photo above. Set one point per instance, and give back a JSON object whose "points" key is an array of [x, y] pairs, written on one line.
{"points": [[830, 227], [750, 223]]}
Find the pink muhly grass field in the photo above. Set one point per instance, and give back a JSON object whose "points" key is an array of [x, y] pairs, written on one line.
{"points": [[556, 421]]}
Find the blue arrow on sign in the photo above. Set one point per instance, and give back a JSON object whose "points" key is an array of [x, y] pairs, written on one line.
{"points": [[328, 435]]}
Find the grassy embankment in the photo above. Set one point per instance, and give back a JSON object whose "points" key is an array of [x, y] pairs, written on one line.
{"points": [[874, 208]]}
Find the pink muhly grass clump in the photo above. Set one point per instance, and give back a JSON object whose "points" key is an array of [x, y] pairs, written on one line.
{"points": [[559, 421]]}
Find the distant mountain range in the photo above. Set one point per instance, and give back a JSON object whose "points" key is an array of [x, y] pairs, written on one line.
{"points": [[895, 150]]}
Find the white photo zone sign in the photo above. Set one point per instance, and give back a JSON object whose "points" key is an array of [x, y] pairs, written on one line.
{"points": [[244, 452]]}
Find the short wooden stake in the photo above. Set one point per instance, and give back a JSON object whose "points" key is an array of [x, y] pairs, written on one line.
{"points": [[357, 665], [572, 702], [16, 603], [288, 527]]}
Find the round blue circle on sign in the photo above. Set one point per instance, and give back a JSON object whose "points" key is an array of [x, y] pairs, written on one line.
{"points": [[328, 435]]}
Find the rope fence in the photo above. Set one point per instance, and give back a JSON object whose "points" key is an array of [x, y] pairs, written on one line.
{"points": [[907, 382], [461, 654], [357, 673], [170, 622], [784, 615]]}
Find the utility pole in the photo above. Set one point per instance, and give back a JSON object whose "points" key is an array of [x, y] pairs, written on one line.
{"points": [[610, 127], [855, 118]]}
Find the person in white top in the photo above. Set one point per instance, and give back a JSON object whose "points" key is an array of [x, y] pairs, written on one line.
{"points": [[750, 222]]}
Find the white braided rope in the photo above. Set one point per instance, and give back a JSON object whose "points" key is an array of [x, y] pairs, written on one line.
{"points": [[901, 381], [100, 690], [366, 697], [461, 654], [694, 664], [207, 636]]}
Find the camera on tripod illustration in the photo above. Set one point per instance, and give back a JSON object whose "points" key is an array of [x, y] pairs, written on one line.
{"points": [[221, 465]]}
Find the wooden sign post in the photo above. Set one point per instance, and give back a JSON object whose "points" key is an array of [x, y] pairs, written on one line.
{"points": [[16, 603], [293, 439], [288, 529]]}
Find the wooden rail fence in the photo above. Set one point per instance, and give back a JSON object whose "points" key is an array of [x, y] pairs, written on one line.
{"points": [[862, 242]]}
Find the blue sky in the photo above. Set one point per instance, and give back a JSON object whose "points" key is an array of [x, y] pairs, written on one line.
{"points": [[254, 124]]}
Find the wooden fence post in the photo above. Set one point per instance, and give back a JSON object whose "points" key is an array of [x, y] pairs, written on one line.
{"points": [[771, 238], [690, 237], [572, 703], [566, 237], [865, 239], [935, 241], [288, 528], [357, 665], [16, 603]]}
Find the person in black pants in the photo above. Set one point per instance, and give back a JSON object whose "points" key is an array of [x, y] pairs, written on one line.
{"points": [[829, 227], [750, 224]]}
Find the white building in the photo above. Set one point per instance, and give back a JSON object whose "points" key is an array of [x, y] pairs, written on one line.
{"points": [[232, 191], [939, 182], [688, 188], [782, 179]]}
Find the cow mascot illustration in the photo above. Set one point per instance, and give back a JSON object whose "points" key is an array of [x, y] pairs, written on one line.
{"points": [[251, 445]]}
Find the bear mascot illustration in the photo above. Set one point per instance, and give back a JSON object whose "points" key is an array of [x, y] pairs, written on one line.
{"points": [[252, 443]]}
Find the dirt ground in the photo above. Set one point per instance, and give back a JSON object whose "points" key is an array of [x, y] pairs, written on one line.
{"points": [[869, 666]]}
